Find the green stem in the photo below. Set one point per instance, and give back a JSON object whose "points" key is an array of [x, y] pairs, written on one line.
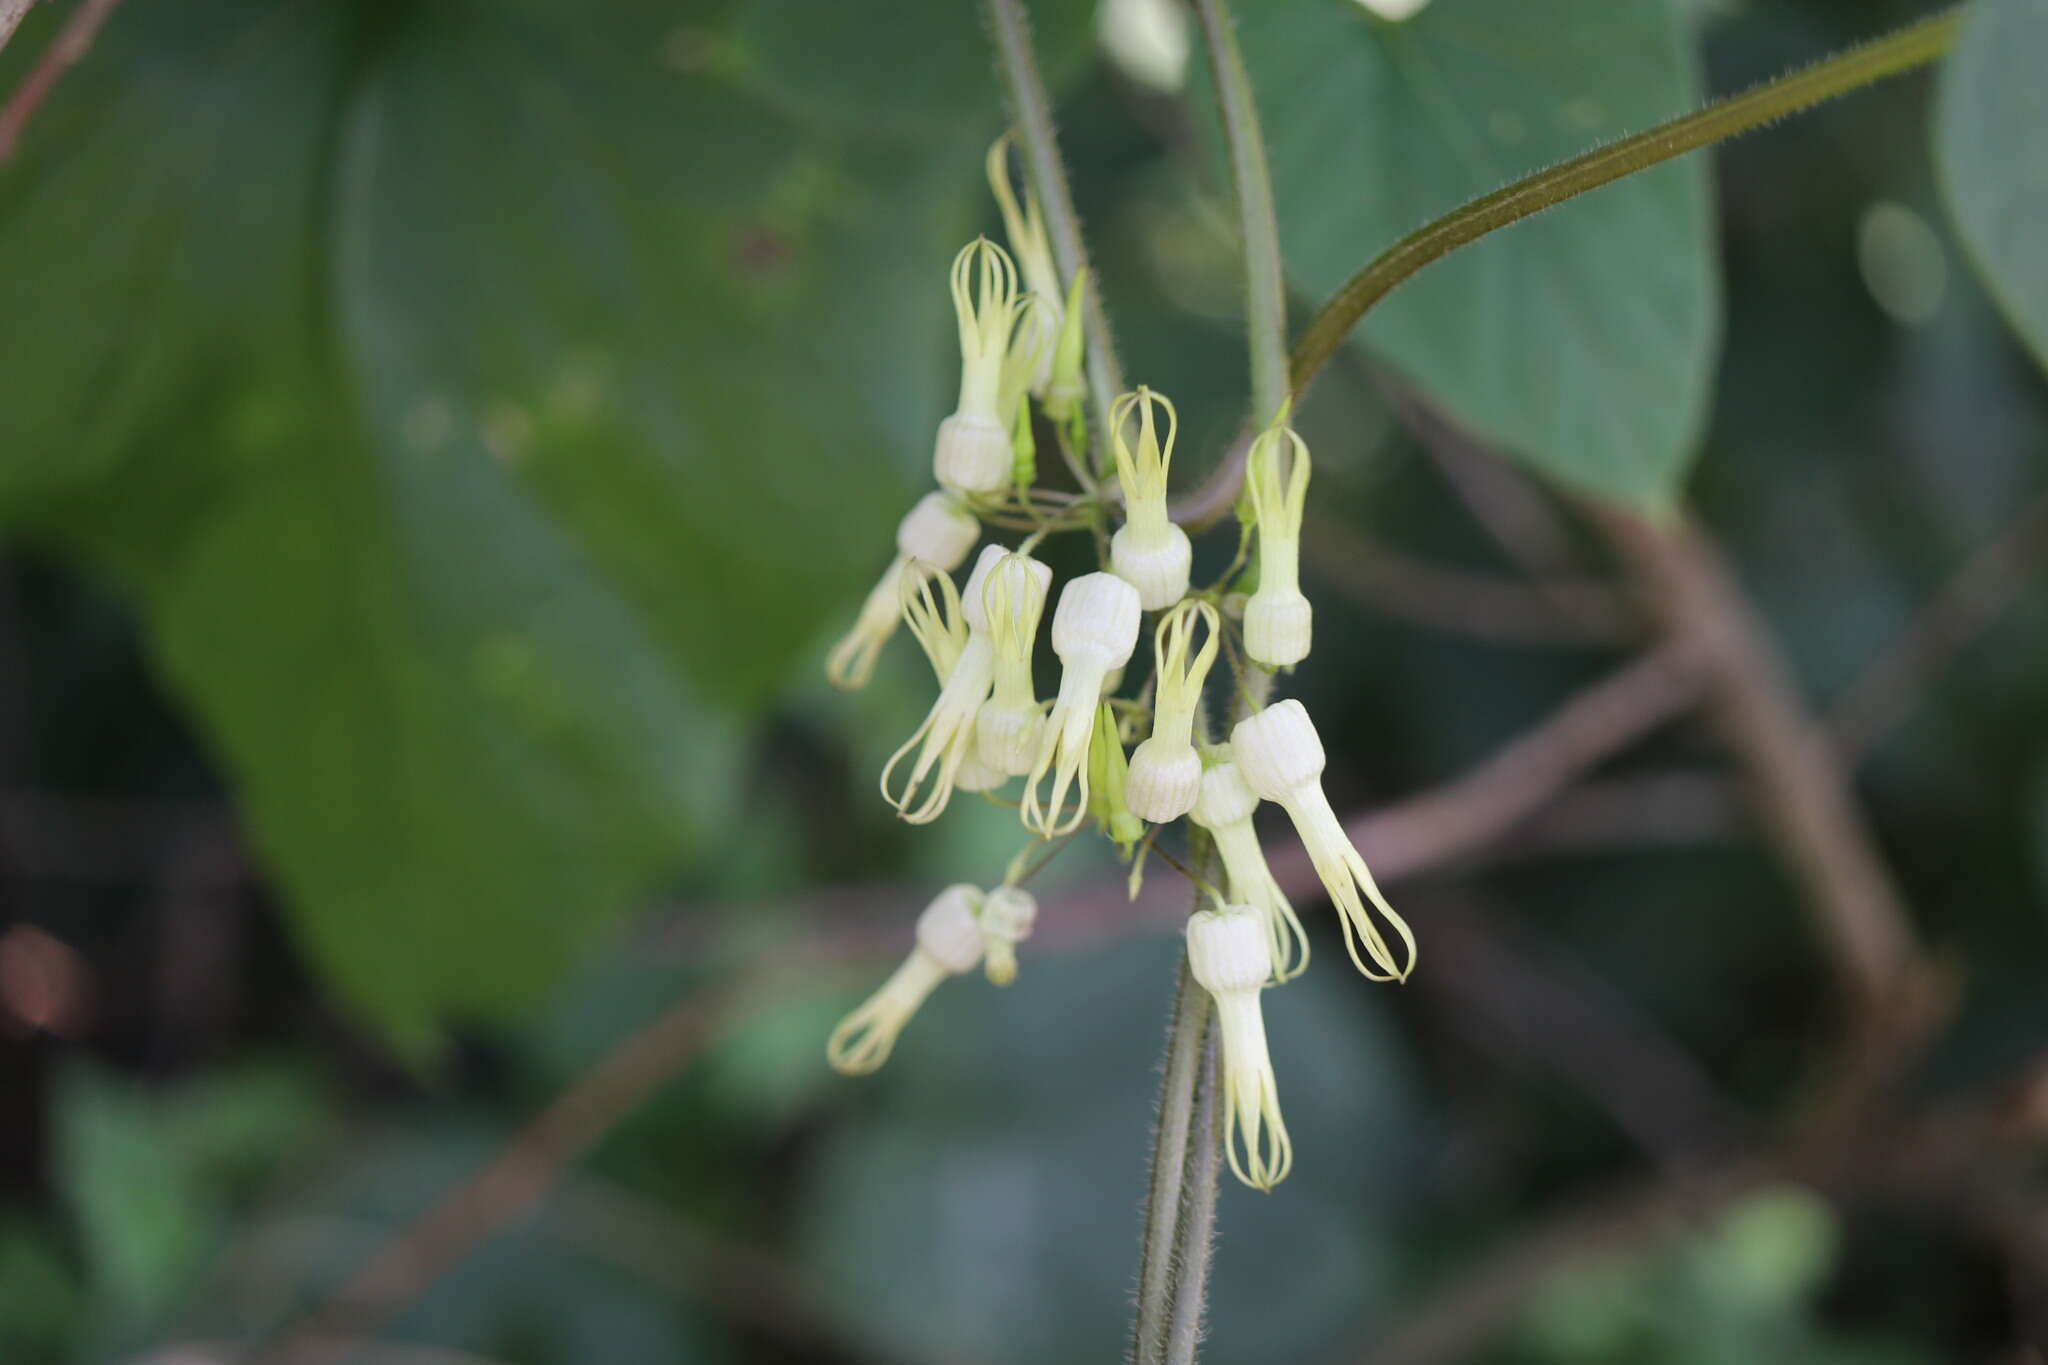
{"points": [[1031, 108], [1196, 1245], [1157, 1265], [1265, 286], [1912, 46]]}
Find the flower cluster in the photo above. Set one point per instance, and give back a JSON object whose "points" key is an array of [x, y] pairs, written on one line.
{"points": [[1020, 340]]}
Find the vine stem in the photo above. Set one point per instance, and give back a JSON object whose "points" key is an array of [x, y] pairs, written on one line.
{"points": [[1159, 1260], [1900, 51], [1265, 283], [1031, 109]]}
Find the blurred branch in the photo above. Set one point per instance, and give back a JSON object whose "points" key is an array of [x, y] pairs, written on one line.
{"points": [[1807, 805], [1496, 609], [1031, 108], [1650, 810], [1503, 995], [739, 1283], [65, 51], [1469, 813], [1943, 1156], [469, 1214], [1987, 586]]}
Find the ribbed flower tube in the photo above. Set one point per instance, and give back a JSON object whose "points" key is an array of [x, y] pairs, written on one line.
{"points": [[972, 454], [1011, 722], [1282, 760], [1166, 772], [1228, 957], [939, 530], [1278, 623], [949, 943], [1225, 808], [1148, 551], [946, 737], [1094, 630]]}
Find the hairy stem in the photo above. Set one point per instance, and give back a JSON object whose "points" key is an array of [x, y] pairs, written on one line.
{"points": [[1158, 1266], [1912, 46], [1195, 1248], [1031, 108], [1265, 285]]}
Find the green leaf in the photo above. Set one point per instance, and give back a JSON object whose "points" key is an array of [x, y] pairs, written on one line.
{"points": [[1988, 152], [149, 1179], [1582, 340], [486, 408]]}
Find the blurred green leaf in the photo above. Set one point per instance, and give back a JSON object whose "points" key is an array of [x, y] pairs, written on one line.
{"points": [[149, 1178], [40, 1297], [1584, 339], [884, 63], [486, 408], [1987, 142]]}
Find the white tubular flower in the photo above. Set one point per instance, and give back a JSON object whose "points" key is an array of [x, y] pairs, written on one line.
{"points": [[935, 620], [1166, 772], [1010, 724], [1148, 551], [940, 531], [1094, 630], [1228, 957], [1225, 809], [949, 943], [945, 739], [1007, 917], [1025, 227], [973, 454], [1282, 760], [1277, 620]]}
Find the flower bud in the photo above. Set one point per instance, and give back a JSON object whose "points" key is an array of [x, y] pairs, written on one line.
{"points": [[1007, 918], [949, 943], [1096, 623], [1277, 619], [1226, 798], [1278, 750], [1148, 551], [972, 454], [938, 529], [1227, 950], [1094, 630], [1067, 388], [1228, 957], [950, 929], [1281, 757], [1278, 626], [1164, 780]]}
